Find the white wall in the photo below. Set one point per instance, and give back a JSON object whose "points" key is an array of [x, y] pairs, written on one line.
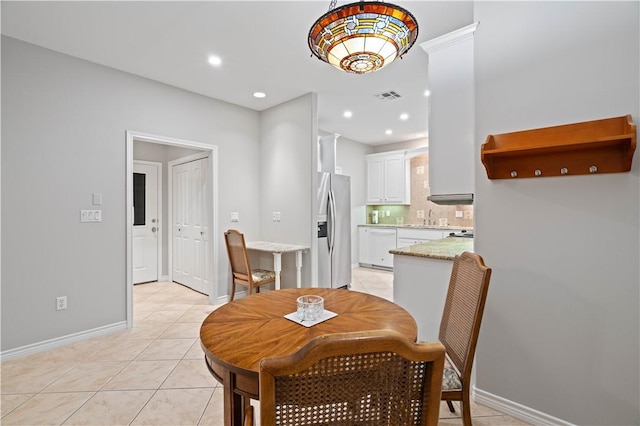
{"points": [[411, 144], [561, 325], [288, 164], [351, 159], [63, 138]]}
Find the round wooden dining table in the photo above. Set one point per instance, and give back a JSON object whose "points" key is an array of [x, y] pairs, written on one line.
{"points": [[236, 336]]}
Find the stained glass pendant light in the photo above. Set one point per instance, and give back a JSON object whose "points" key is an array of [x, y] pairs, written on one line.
{"points": [[364, 36]]}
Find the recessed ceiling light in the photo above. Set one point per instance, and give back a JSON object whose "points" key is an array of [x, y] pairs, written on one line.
{"points": [[259, 95], [215, 60], [427, 92], [404, 116], [388, 132], [347, 114]]}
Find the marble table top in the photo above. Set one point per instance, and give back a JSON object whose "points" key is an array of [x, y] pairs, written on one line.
{"points": [[274, 247]]}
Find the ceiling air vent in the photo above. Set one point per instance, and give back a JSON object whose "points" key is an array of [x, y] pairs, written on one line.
{"points": [[388, 96]]}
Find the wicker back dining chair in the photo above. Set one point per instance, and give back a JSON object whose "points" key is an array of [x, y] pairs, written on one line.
{"points": [[364, 378], [241, 268], [460, 326]]}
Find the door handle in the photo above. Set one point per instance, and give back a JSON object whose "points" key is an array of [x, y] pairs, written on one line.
{"points": [[332, 217], [153, 229]]}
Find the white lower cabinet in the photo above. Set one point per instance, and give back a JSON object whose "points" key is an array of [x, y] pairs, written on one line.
{"points": [[363, 246], [408, 236], [374, 242], [374, 245]]}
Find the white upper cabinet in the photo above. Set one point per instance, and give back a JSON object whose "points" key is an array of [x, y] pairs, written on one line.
{"points": [[388, 178], [451, 114]]}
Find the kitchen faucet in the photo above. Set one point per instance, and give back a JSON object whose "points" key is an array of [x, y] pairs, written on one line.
{"points": [[430, 221]]}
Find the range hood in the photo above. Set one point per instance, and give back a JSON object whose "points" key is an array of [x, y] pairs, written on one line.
{"points": [[451, 199]]}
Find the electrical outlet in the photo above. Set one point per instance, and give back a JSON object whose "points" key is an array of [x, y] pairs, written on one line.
{"points": [[61, 303], [468, 214], [458, 213], [235, 216], [420, 170], [420, 214]]}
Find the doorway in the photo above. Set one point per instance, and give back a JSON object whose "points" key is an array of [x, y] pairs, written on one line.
{"points": [[210, 260], [147, 215]]}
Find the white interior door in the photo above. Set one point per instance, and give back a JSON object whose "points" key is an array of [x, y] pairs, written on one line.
{"points": [[145, 222], [190, 214]]}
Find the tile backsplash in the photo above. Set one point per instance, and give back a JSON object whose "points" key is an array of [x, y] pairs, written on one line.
{"points": [[421, 211]]}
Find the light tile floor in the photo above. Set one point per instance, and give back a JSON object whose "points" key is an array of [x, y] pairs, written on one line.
{"points": [[151, 374]]}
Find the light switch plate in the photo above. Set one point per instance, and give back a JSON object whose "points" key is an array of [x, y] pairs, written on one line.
{"points": [[90, 216]]}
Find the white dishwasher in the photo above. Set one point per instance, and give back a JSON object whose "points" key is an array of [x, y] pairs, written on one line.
{"points": [[381, 241]]}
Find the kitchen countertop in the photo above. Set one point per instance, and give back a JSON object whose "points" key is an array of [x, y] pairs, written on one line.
{"points": [[444, 249], [412, 226]]}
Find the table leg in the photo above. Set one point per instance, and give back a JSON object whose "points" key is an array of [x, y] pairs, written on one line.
{"points": [[277, 267], [299, 268], [234, 404]]}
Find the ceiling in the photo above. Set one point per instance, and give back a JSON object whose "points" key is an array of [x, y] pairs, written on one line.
{"points": [[263, 47]]}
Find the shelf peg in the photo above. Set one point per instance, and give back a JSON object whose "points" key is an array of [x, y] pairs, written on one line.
{"points": [[593, 169], [538, 172], [514, 174], [564, 170]]}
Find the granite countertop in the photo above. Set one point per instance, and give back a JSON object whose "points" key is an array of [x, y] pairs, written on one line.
{"points": [[444, 249], [412, 226]]}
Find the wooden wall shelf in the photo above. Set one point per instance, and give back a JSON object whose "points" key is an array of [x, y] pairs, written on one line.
{"points": [[590, 147]]}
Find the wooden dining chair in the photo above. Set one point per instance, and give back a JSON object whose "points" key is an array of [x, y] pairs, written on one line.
{"points": [[241, 268], [460, 326], [366, 378]]}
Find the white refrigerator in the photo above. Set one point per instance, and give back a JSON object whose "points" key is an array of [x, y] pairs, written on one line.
{"points": [[334, 230]]}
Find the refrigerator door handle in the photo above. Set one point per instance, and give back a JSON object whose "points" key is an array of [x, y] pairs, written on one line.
{"points": [[331, 237]]}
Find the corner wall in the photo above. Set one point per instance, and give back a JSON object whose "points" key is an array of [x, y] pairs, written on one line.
{"points": [[561, 326]]}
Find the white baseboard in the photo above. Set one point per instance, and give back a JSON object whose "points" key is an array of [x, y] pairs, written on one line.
{"points": [[35, 348], [516, 410], [225, 299]]}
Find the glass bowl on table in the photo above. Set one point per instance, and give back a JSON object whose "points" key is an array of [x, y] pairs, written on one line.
{"points": [[310, 307]]}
